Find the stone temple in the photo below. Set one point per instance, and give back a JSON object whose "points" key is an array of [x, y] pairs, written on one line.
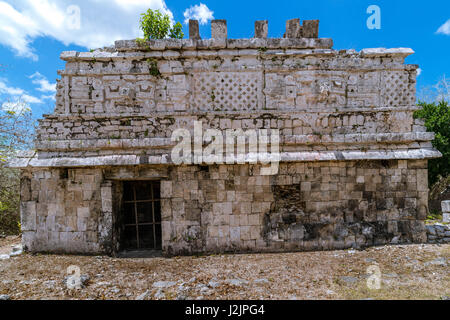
{"points": [[353, 160]]}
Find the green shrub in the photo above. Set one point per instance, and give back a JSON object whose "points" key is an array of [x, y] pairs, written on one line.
{"points": [[177, 31], [157, 25], [16, 134], [9, 201], [437, 119]]}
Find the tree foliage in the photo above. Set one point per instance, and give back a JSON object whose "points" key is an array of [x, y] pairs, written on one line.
{"points": [[437, 92], [157, 25], [16, 133], [437, 119]]}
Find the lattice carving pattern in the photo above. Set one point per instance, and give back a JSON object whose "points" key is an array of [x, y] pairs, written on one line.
{"points": [[398, 89], [227, 91]]}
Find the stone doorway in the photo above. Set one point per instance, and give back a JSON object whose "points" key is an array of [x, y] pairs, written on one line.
{"points": [[141, 216]]}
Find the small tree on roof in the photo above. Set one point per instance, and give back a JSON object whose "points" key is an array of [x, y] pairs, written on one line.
{"points": [[157, 25]]}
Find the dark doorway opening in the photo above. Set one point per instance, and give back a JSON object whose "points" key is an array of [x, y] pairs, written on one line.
{"points": [[141, 216]]}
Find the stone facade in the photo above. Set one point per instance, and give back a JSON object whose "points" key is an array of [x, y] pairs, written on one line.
{"points": [[353, 169]]}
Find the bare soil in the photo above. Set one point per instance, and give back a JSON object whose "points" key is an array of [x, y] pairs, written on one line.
{"points": [[407, 272]]}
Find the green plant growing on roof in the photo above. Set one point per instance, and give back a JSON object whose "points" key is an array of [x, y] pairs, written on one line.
{"points": [[157, 25]]}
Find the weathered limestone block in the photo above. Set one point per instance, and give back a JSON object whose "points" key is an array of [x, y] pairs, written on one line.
{"points": [[310, 29], [28, 216], [194, 31], [293, 29], [261, 29], [446, 211], [219, 29], [105, 226]]}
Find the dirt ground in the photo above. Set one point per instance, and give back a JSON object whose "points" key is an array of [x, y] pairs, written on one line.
{"points": [[406, 272]]}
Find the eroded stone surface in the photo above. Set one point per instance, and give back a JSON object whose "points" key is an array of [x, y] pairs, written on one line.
{"points": [[353, 169]]}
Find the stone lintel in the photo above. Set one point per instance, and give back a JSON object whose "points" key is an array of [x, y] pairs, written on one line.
{"points": [[383, 52], [133, 160]]}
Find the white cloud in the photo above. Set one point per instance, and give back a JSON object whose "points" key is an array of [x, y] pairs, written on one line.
{"points": [[100, 22], [15, 96], [198, 12], [445, 28], [419, 72], [43, 83], [11, 91], [30, 99], [49, 97]]}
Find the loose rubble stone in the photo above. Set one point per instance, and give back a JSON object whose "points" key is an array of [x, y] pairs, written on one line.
{"points": [[16, 251], [182, 296], [115, 290], [261, 281], [51, 284], [160, 294], [164, 284], [214, 284], [390, 275], [204, 290], [84, 280], [4, 297], [348, 279], [237, 282], [438, 261]]}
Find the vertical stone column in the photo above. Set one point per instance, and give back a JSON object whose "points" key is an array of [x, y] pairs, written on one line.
{"points": [[28, 212], [310, 29], [105, 226], [261, 29], [219, 29], [28, 215], [194, 30], [293, 29], [167, 224], [446, 211]]}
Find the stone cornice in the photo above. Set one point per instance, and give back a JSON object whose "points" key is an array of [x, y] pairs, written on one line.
{"points": [[240, 114], [291, 140], [247, 47], [132, 160]]}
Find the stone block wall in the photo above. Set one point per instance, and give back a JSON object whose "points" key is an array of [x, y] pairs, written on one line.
{"points": [[353, 158], [307, 206], [233, 208], [61, 210], [438, 233]]}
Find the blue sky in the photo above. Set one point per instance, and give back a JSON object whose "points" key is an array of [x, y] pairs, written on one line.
{"points": [[34, 32]]}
